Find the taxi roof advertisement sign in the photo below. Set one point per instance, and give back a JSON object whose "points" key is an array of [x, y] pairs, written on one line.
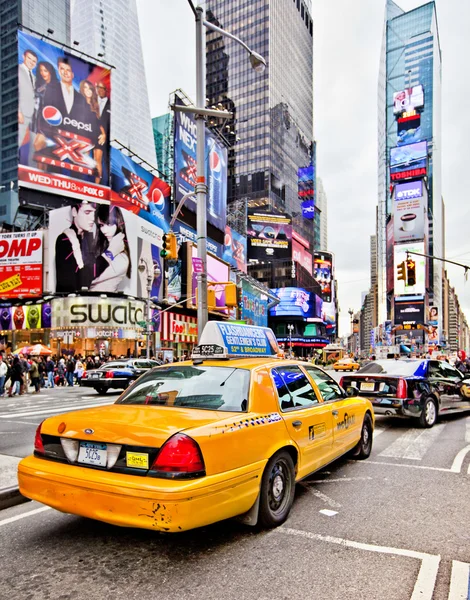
{"points": [[224, 340]]}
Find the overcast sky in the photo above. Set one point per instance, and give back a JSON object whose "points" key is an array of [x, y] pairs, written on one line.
{"points": [[347, 42]]}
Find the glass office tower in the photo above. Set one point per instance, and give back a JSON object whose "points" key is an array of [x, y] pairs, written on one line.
{"points": [[271, 132], [411, 56]]}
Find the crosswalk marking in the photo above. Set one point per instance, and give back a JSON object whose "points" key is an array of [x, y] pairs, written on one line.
{"points": [[53, 410], [459, 582], [467, 430], [377, 432], [413, 444]]}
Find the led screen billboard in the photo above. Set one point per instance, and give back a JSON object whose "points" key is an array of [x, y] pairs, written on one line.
{"points": [[64, 121], [408, 211], [34, 316], [302, 256], [235, 249], [411, 156], [21, 264], [407, 100], [296, 302], [216, 271], [100, 248], [409, 312], [401, 286], [323, 273], [137, 190], [269, 236], [308, 209], [185, 146], [409, 130], [253, 306]]}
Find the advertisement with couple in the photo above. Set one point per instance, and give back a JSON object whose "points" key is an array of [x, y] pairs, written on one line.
{"points": [[99, 248]]}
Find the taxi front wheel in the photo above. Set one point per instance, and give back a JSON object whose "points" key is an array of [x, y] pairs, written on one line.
{"points": [[364, 446], [277, 490]]}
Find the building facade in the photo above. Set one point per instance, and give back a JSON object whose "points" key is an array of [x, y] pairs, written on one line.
{"points": [[321, 217], [109, 29]]}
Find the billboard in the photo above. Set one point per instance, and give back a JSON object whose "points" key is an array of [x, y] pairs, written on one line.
{"points": [[269, 236], [173, 283], [400, 287], [308, 209], [137, 190], [306, 179], [408, 174], [408, 100], [188, 234], [323, 273], [100, 248], [409, 312], [411, 156], [302, 256], [408, 130], [94, 313], [25, 317], [254, 306], [216, 271], [21, 264], [235, 249], [64, 120], [433, 315], [296, 302], [185, 169], [408, 211]]}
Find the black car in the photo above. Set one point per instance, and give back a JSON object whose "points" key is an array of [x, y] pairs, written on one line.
{"points": [[423, 389], [118, 374]]}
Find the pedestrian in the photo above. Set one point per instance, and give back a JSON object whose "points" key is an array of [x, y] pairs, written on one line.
{"points": [[16, 377], [70, 371], [3, 375], [50, 368], [79, 368], [34, 375], [42, 372], [61, 372]]}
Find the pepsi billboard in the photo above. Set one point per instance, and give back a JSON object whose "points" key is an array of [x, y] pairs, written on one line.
{"points": [[186, 167], [64, 120]]}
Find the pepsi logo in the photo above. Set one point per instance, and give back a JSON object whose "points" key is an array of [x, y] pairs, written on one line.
{"points": [[158, 198], [215, 162], [52, 115]]}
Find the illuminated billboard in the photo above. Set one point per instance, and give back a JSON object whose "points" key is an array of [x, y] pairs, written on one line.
{"points": [[63, 121], [32, 316], [408, 100], [235, 249], [401, 286], [409, 130], [216, 271], [302, 256], [408, 174], [409, 312], [411, 156], [253, 306], [308, 209], [323, 273], [408, 211], [21, 264], [296, 302], [269, 236]]}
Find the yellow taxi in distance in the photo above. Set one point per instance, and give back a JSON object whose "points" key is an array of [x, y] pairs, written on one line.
{"points": [[227, 434], [346, 364]]}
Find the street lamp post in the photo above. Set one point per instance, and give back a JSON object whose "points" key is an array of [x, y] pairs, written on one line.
{"points": [[152, 270], [290, 328]]}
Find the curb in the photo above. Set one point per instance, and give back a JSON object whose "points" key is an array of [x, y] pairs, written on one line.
{"points": [[11, 496]]}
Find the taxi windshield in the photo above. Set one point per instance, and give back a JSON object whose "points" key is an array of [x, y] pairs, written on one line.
{"points": [[207, 388]]}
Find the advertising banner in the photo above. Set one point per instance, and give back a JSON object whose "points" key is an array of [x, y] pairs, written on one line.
{"points": [[103, 248], [185, 169], [328, 316], [269, 236], [173, 288], [300, 255], [233, 339], [112, 313], [433, 315], [389, 251], [216, 271], [408, 174], [409, 312], [308, 209], [400, 286], [411, 156], [64, 121], [408, 211], [323, 273], [188, 234], [254, 307], [408, 100], [235, 249], [21, 264], [25, 317], [408, 130], [296, 302], [137, 190], [306, 182]]}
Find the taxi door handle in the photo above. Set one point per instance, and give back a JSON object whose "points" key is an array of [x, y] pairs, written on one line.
{"points": [[296, 423], [334, 413]]}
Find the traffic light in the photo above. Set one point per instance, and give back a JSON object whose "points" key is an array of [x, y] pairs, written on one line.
{"points": [[410, 272], [211, 298], [401, 270], [231, 295], [169, 249]]}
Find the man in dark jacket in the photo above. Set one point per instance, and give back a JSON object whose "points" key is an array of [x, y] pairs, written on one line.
{"points": [[50, 368], [70, 371]]}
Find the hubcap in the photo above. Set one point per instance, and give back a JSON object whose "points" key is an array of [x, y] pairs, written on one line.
{"points": [[430, 413], [365, 435], [278, 488]]}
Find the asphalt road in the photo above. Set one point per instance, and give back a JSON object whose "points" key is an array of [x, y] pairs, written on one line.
{"points": [[393, 527]]}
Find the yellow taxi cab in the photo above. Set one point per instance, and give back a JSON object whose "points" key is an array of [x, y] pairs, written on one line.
{"points": [[227, 434], [346, 364]]}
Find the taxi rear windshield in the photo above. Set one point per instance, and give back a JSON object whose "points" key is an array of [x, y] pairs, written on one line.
{"points": [[206, 388]]}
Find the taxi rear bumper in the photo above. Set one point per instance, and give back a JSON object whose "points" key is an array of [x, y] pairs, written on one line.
{"points": [[144, 502]]}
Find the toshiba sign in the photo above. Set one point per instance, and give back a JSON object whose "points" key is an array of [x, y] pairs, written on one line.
{"points": [[21, 264]]}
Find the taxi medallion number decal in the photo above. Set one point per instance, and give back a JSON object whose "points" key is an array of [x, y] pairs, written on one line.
{"points": [[93, 454], [138, 460], [367, 387], [209, 350]]}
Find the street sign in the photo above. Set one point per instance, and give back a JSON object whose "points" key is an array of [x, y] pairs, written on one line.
{"points": [[142, 323]]}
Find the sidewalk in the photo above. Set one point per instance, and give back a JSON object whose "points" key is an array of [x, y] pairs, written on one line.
{"points": [[9, 492]]}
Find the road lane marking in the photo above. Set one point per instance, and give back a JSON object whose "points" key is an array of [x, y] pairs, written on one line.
{"points": [[54, 410], [24, 515], [326, 499], [459, 581], [377, 432], [467, 430], [340, 479], [426, 581], [328, 513], [413, 444], [458, 460], [377, 462]]}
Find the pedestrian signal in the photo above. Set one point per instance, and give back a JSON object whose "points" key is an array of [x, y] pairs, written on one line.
{"points": [[169, 249], [401, 272], [410, 272]]}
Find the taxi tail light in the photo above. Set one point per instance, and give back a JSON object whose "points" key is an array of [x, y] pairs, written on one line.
{"points": [[180, 454], [341, 381], [109, 375], [402, 389], [85, 375], [38, 444]]}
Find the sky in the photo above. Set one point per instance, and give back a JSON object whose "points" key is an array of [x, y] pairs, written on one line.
{"points": [[347, 43]]}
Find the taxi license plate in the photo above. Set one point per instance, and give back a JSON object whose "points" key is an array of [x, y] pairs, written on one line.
{"points": [[138, 460], [367, 387], [93, 454], [95, 375]]}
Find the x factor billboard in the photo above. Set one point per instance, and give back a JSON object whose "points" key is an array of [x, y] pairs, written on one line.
{"points": [[137, 190], [185, 169], [63, 121], [408, 158], [269, 236], [408, 100]]}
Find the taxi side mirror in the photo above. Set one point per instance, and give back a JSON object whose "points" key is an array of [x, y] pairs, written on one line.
{"points": [[351, 392]]}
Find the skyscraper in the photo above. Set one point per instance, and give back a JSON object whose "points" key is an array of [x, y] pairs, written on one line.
{"points": [[109, 29], [409, 124], [321, 216], [271, 133]]}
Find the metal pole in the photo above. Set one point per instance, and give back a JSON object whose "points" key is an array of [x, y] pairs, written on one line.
{"points": [[149, 316], [201, 188]]}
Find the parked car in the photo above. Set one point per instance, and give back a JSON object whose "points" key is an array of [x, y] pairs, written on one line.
{"points": [[421, 389], [346, 364], [118, 374]]}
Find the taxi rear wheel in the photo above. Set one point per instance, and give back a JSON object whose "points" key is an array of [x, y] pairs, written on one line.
{"points": [[277, 490], [364, 446]]}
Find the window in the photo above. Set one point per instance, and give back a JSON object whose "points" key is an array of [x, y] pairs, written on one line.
{"points": [[293, 388], [328, 387]]}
